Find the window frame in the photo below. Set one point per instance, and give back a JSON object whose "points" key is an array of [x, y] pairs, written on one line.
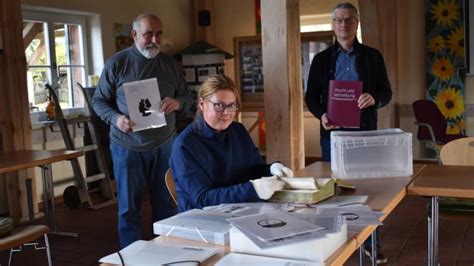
{"points": [[50, 18]]}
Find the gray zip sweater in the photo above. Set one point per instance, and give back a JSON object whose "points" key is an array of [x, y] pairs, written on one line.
{"points": [[109, 98]]}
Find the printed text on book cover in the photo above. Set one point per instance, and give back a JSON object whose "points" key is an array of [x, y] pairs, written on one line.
{"points": [[342, 105]]}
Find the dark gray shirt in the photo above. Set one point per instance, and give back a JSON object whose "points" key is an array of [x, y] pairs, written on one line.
{"points": [[109, 98]]}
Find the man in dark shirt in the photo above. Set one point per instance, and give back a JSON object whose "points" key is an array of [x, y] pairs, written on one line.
{"points": [[348, 59]]}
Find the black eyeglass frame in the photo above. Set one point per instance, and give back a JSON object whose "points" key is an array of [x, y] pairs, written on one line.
{"points": [[348, 21], [221, 107]]}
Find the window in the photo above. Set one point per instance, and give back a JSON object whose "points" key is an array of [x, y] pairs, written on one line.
{"points": [[56, 54]]}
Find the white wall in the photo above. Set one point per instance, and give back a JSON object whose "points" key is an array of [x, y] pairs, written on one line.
{"points": [[176, 15]]}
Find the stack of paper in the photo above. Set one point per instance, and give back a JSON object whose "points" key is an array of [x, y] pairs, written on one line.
{"points": [[196, 224], [156, 253]]}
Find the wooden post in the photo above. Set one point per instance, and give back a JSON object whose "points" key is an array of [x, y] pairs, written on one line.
{"points": [[281, 48], [14, 111]]}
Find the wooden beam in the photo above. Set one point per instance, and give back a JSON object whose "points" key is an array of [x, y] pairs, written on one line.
{"points": [[30, 31], [14, 111], [281, 48]]}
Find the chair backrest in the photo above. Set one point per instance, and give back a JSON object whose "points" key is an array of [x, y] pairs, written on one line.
{"points": [[427, 112], [170, 185], [458, 152]]}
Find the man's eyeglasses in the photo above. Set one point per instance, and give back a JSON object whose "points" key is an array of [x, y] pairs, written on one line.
{"points": [[349, 21], [220, 107]]}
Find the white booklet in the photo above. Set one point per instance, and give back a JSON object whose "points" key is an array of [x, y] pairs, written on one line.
{"points": [[157, 253], [144, 101], [273, 225], [239, 259]]}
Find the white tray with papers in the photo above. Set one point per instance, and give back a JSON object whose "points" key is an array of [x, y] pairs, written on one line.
{"points": [[157, 253], [317, 250], [196, 224]]}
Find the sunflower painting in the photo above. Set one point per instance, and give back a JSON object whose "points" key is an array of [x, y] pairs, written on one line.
{"points": [[444, 12], [436, 44], [444, 54]]}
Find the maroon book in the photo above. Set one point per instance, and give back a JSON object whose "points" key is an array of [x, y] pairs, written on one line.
{"points": [[342, 103]]}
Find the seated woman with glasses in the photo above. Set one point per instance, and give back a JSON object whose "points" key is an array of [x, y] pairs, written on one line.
{"points": [[214, 160]]}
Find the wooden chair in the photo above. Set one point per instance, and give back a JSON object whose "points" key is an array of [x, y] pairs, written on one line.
{"points": [[458, 152], [170, 185], [23, 236]]}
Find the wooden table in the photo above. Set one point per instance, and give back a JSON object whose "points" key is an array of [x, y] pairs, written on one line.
{"points": [[24, 159], [384, 195], [441, 181]]}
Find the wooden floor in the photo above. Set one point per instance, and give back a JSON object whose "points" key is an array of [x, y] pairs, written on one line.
{"points": [[403, 237]]}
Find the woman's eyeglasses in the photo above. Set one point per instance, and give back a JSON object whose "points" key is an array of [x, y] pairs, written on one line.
{"points": [[220, 107]]}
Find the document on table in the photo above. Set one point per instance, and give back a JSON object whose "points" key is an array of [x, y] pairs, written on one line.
{"points": [[144, 102], [154, 253], [354, 215], [273, 225], [247, 259], [248, 208], [343, 201]]}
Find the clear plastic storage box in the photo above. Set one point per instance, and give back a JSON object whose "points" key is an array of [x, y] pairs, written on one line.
{"points": [[367, 154]]}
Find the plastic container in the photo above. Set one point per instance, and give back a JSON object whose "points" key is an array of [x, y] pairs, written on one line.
{"points": [[368, 154]]}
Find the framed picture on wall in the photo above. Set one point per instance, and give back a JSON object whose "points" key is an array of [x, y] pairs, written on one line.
{"points": [[122, 35], [248, 63]]}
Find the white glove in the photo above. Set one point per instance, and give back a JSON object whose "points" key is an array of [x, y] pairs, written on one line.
{"points": [[280, 170], [266, 186]]}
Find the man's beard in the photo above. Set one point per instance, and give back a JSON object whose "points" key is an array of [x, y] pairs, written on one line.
{"points": [[150, 50]]}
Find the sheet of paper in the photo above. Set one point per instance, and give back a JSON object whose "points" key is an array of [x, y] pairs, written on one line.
{"points": [[144, 101], [343, 201], [246, 259], [354, 215], [248, 208], [284, 240], [154, 253], [273, 225], [330, 224]]}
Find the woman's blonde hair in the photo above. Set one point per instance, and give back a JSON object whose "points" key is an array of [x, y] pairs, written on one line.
{"points": [[214, 84]]}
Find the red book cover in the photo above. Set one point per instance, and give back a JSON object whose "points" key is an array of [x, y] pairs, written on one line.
{"points": [[342, 103]]}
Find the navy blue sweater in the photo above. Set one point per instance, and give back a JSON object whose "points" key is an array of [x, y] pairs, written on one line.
{"points": [[210, 168]]}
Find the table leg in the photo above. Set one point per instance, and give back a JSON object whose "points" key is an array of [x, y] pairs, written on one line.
{"points": [[361, 255], [374, 247], [46, 200], [49, 206], [430, 240], [433, 231]]}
